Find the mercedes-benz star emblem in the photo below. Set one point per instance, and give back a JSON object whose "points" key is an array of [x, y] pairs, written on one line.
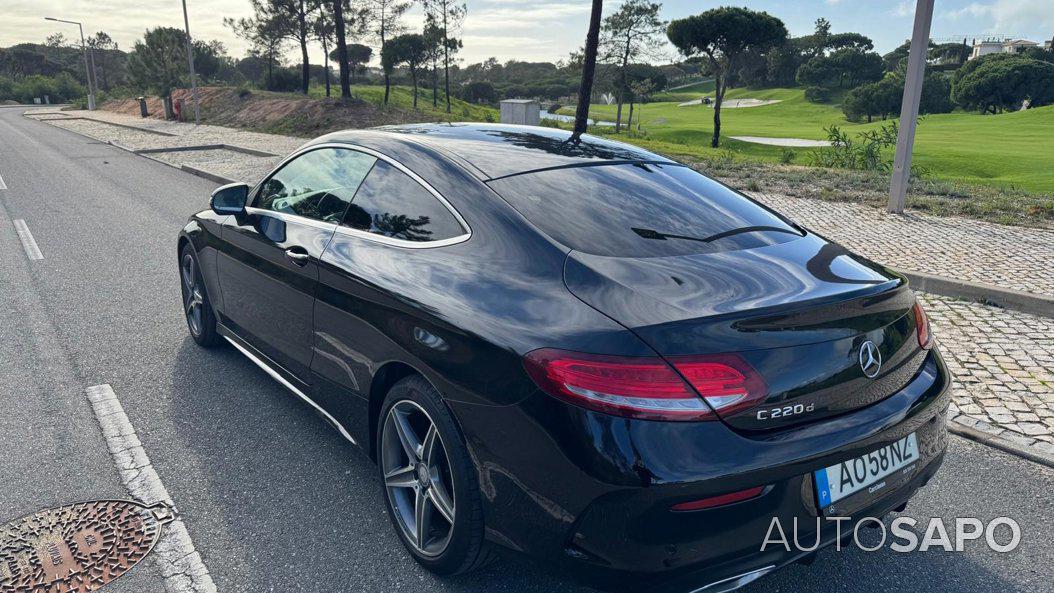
{"points": [[870, 359]]}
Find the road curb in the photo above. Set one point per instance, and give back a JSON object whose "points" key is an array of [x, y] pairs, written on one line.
{"points": [[193, 147], [998, 442], [1026, 302], [206, 174], [111, 123], [209, 175]]}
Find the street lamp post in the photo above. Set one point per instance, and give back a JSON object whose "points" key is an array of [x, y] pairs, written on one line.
{"points": [[190, 60], [87, 68]]}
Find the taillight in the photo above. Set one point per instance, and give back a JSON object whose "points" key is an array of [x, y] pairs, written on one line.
{"points": [[646, 387], [725, 381], [922, 327]]}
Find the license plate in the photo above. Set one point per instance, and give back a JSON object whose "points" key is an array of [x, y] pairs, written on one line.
{"points": [[868, 471]]}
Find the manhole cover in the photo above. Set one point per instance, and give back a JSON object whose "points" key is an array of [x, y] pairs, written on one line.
{"points": [[78, 547]]}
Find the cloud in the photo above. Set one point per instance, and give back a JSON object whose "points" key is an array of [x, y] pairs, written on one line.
{"points": [[1007, 16], [518, 16], [904, 8]]}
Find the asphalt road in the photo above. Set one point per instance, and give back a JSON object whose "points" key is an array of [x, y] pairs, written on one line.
{"points": [[274, 499]]}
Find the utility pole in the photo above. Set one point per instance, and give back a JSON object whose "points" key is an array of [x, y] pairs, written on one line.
{"points": [[909, 110], [87, 69], [190, 61]]}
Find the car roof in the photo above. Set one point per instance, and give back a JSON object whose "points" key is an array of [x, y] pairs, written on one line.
{"points": [[499, 150]]}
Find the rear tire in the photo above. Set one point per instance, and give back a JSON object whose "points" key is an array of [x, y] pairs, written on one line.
{"points": [[197, 309], [426, 472]]}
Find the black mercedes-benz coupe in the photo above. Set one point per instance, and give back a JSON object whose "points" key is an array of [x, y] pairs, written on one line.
{"points": [[580, 351]]}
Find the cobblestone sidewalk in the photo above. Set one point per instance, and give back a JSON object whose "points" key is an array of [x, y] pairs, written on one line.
{"points": [[1018, 258], [1003, 361]]}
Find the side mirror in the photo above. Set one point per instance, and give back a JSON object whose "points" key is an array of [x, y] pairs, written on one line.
{"points": [[230, 199]]}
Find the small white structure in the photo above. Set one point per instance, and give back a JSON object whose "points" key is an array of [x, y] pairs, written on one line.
{"points": [[985, 47], [524, 112]]}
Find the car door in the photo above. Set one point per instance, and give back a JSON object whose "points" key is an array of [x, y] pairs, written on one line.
{"points": [[397, 230], [268, 266]]}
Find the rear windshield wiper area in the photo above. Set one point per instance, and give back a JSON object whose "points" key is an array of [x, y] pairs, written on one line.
{"points": [[653, 234]]}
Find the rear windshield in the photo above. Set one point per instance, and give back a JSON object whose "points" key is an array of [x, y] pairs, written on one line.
{"points": [[641, 211]]}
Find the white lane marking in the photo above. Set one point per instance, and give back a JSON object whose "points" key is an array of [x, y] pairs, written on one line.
{"points": [[181, 566], [28, 242], [2, 185]]}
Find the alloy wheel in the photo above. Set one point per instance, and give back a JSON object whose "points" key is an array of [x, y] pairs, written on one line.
{"points": [[193, 297], [417, 478]]}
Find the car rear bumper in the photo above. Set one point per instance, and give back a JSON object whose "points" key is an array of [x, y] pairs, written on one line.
{"points": [[592, 494], [738, 556]]}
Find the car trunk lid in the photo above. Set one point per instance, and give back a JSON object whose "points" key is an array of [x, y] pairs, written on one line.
{"points": [[800, 313]]}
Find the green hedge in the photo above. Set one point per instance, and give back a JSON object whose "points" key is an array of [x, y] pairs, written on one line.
{"points": [[59, 89]]}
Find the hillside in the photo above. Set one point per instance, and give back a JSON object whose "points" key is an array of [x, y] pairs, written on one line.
{"points": [[297, 115]]}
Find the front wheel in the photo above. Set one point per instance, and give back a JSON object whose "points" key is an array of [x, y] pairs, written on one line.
{"points": [[201, 321], [428, 480]]}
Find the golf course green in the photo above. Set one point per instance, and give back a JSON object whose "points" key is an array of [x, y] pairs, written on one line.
{"points": [[1006, 150]]}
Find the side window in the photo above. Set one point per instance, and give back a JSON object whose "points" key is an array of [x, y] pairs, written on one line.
{"points": [[392, 204], [318, 184]]}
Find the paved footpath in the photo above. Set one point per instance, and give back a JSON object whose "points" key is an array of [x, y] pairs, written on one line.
{"points": [[1003, 360], [1018, 258]]}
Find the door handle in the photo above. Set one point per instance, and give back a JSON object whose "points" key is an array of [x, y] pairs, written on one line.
{"points": [[297, 255]]}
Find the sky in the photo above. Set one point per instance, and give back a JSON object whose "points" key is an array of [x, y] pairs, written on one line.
{"points": [[545, 30]]}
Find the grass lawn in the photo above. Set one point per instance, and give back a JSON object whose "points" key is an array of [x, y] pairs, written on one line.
{"points": [[687, 92], [1012, 150]]}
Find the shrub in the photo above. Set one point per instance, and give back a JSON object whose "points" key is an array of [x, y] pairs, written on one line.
{"points": [[516, 91], [285, 80], [479, 91], [59, 89], [535, 91], [7, 88], [866, 152], [817, 94], [555, 91], [787, 156]]}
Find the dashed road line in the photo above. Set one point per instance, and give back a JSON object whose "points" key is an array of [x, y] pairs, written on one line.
{"points": [[28, 242], [2, 184], [181, 566]]}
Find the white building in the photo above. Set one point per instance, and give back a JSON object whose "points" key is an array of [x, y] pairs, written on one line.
{"points": [[1007, 46], [1018, 45]]}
